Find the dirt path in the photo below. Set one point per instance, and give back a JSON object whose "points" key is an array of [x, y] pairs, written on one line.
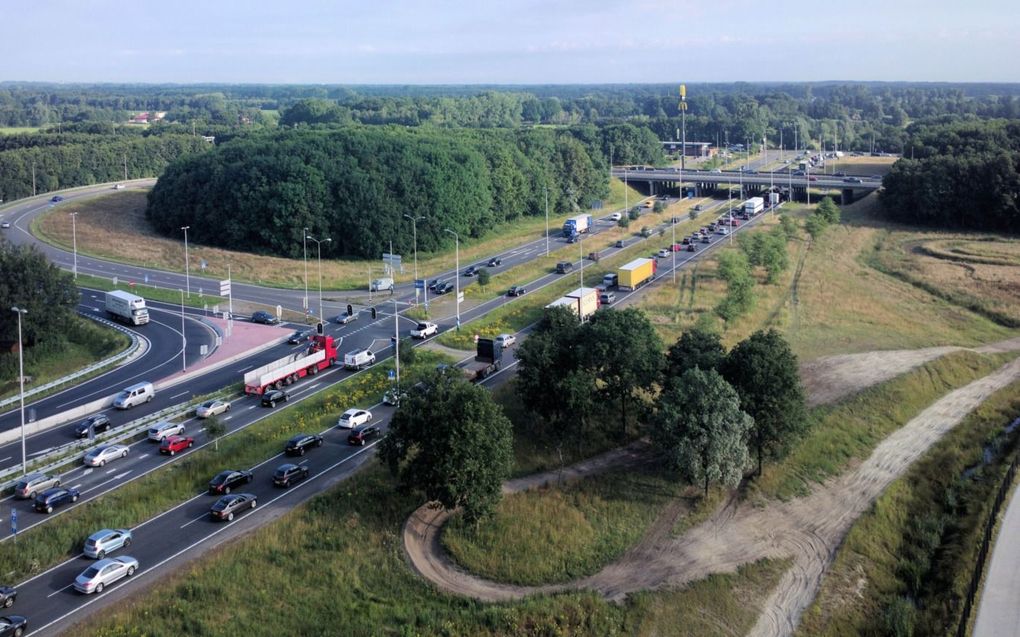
{"points": [[808, 529]]}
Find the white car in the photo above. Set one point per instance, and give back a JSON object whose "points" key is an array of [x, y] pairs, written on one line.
{"points": [[354, 417], [162, 430], [5, 224], [506, 340], [105, 572], [663, 253], [425, 330], [212, 408], [616, 216], [99, 456], [344, 319]]}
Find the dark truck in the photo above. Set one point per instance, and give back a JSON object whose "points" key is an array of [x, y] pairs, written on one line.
{"points": [[488, 359]]}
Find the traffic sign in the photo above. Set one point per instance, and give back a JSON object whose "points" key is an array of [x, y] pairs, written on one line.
{"points": [[392, 375], [419, 284], [225, 287], [14, 521], [460, 297]]}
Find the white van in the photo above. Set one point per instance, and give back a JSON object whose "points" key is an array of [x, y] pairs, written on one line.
{"points": [[134, 395], [161, 430], [382, 284], [358, 359]]}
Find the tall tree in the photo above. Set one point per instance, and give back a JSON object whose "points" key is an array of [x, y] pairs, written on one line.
{"points": [[696, 348], [450, 440], [29, 281], [828, 209], [763, 370]]}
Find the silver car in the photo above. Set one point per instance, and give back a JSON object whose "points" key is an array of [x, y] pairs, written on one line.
{"points": [[99, 456], [105, 572], [102, 542], [212, 408], [34, 484]]}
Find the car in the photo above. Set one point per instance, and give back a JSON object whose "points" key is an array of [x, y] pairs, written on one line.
{"points": [[618, 244], [225, 481], [812, 178], [853, 180], [424, 329], [706, 239], [118, 187], [722, 230], [516, 290], [161, 430], [106, 541], [663, 253], [273, 396], [346, 318], [172, 444], [359, 359], [7, 596], [572, 238], [299, 444], [443, 287], [5, 224], [506, 340], [433, 283], [354, 417], [839, 174], [494, 261], [616, 216], [56, 199], [697, 207], [685, 241], [563, 267], [105, 572], [33, 484], [299, 337], [471, 271], [717, 171], [691, 247], [607, 298], [50, 499], [798, 173], [288, 474], [97, 424], [212, 408], [875, 177], [228, 505], [13, 626], [99, 456], [361, 435], [264, 318]]}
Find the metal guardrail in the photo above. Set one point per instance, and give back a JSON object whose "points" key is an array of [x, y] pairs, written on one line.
{"points": [[135, 344]]}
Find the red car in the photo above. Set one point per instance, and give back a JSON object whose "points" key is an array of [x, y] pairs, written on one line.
{"points": [[173, 444]]}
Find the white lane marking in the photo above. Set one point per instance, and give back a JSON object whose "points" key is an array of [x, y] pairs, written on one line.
{"points": [[59, 590], [77, 486], [201, 517], [183, 393], [7, 458], [105, 482], [245, 369]]}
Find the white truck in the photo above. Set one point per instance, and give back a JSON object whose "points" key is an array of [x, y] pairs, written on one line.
{"points": [[126, 307], [754, 205], [583, 302], [385, 283]]}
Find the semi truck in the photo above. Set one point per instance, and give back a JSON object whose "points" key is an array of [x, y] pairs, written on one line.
{"points": [[126, 307], [583, 302], [636, 273], [488, 359], [754, 205], [576, 225], [321, 354]]}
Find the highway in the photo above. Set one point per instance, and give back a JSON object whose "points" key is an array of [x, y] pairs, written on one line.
{"points": [[779, 179]]}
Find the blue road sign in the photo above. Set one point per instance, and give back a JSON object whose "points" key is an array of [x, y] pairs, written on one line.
{"points": [[392, 374], [14, 520], [419, 284]]}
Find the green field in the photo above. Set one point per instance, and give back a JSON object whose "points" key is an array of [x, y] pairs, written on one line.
{"points": [[17, 130]]}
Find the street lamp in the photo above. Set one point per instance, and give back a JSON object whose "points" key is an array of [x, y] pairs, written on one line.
{"points": [[184, 342], [547, 220], [21, 379], [74, 242], [187, 267], [414, 230], [318, 249], [304, 247], [456, 278]]}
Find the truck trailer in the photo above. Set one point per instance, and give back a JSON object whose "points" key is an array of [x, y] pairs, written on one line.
{"points": [[320, 355], [577, 225], [754, 205], [126, 307], [488, 359], [635, 274]]}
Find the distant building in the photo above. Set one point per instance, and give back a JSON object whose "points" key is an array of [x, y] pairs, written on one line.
{"points": [[691, 149], [147, 117], [209, 138]]}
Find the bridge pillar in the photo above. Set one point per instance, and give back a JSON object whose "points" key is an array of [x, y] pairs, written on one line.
{"points": [[848, 197]]}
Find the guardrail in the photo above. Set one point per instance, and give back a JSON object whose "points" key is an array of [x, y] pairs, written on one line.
{"points": [[136, 344]]}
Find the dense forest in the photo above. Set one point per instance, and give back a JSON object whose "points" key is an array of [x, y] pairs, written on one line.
{"points": [[355, 184], [964, 174]]}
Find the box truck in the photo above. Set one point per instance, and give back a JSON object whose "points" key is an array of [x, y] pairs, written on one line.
{"points": [[577, 225], [635, 274], [583, 302], [126, 307], [754, 206]]}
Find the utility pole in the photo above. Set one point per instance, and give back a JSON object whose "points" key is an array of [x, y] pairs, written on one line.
{"points": [[546, 221], [414, 230], [456, 277], [74, 242], [304, 246], [396, 342], [21, 378], [184, 342], [125, 171], [33, 178], [187, 267], [683, 126], [318, 248]]}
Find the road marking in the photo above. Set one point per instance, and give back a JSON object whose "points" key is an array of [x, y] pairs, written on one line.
{"points": [[77, 486], [179, 395], [201, 517], [105, 482], [245, 368], [60, 590], [7, 458]]}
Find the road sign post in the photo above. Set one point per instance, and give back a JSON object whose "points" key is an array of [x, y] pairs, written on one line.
{"points": [[14, 523]]}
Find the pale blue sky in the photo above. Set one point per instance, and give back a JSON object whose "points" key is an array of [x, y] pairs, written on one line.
{"points": [[523, 41]]}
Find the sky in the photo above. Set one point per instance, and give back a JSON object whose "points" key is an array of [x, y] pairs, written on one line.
{"points": [[509, 41]]}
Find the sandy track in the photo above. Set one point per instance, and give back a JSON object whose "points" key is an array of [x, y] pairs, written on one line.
{"points": [[808, 529]]}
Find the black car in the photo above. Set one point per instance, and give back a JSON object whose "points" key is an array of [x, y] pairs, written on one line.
{"points": [[300, 443], [685, 241], [516, 290], [49, 499], [494, 261], [98, 423], [228, 505], [619, 243], [433, 283], [273, 396], [56, 198], [563, 267], [443, 287], [264, 317], [288, 474], [13, 626], [691, 247], [471, 271], [299, 337], [7, 596], [227, 480], [362, 434]]}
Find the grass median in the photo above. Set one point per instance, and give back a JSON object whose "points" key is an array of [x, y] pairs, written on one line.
{"points": [[139, 500]]}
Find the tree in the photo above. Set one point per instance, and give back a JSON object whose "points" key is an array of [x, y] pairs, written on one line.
{"points": [[696, 348], [789, 226], [30, 282], [693, 214], [763, 370], [484, 277], [828, 209], [815, 225], [450, 440], [634, 213], [736, 271], [623, 221], [214, 429], [701, 430]]}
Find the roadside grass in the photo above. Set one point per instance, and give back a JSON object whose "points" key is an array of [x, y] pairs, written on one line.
{"points": [[864, 166], [850, 429], [39, 548], [943, 501], [17, 130], [138, 244], [556, 534]]}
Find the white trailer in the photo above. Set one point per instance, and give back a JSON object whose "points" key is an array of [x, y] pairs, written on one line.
{"points": [[126, 307], [754, 205]]}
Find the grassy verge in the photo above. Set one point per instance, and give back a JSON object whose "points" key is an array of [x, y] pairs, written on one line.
{"points": [[553, 535], [17, 130], [137, 501], [853, 427], [909, 559]]}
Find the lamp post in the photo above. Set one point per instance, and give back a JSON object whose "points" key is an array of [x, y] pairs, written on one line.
{"points": [[187, 267], [21, 379], [318, 250], [304, 247], [547, 220], [74, 242], [456, 278], [396, 344], [184, 342], [414, 230]]}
